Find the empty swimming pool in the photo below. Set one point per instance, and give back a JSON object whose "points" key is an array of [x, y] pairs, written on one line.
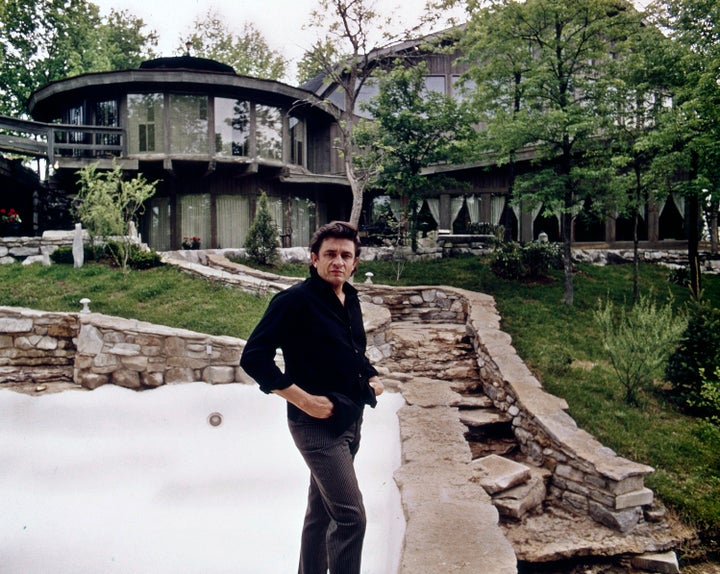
{"points": [[181, 479]]}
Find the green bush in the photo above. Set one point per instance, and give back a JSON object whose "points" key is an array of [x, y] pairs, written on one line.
{"points": [[529, 261], [638, 343], [262, 238], [64, 255], [698, 353], [145, 259]]}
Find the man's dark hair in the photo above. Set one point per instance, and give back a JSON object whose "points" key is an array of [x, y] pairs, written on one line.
{"points": [[336, 230]]}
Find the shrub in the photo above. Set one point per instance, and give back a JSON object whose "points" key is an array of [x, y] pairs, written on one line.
{"points": [[710, 395], [638, 343], [145, 259], [64, 255], [262, 239], [530, 261], [698, 353]]}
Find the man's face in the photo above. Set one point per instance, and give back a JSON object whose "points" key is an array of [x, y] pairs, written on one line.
{"points": [[335, 261]]}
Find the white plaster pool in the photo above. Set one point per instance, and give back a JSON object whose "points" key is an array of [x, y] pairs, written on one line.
{"points": [[116, 481]]}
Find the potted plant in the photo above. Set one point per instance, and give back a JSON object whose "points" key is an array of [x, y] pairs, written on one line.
{"points": [[11, 222]]}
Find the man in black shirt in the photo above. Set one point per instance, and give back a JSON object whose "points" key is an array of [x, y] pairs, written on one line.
{"points": [[327, 381]]}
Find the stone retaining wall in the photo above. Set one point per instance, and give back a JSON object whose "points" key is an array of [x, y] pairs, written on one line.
{"points": [[34, 249], [91, 349], [587, 477]]}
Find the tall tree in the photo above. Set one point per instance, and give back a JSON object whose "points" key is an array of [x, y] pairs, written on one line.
{"points": [[642, 98], [543, 70], [357, 33], [411, 128], [248, 52], [691, 130], [46, 40]]}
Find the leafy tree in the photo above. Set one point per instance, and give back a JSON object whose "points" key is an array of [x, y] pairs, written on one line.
{"points": [[262, 238], [248, 53], [315, 61], [692, 365], [107, 205], [356, 32], [46, 40], [411, 129], [691, 130], [544, 71], [641, 97]]}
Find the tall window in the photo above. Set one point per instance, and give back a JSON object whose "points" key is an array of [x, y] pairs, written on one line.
{"points": [[435, 84], [106, 114], [303, 221], [188, 124], [233, 220], [232, 127], [268, 132], [145, 123], [195, 217], [297, 141], [160, 223]]}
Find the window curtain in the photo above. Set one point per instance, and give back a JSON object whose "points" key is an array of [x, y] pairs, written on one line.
{"points": [[679, 202], [160, 238], [303, 212], [233, 220], [473, 207], [456, 204], [497, 205], [195, 217], [433, 204]]}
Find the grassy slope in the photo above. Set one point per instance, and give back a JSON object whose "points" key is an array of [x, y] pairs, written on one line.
{"points": [[557, 342]]}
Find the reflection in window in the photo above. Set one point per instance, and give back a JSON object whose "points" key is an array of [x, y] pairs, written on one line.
{"points": [[268, 132], [370, 89], [145, 123], [462, 89], [106, 114], [435, 84], [297, 141], [75, 116], [232, 127], [195, 217], [188, 124], [233, 220]]}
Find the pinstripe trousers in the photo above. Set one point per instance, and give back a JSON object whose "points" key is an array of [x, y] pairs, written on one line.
{"points": [[334, 527]]}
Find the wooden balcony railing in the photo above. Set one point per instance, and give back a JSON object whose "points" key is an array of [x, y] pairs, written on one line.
{"points": [[37, 139]]}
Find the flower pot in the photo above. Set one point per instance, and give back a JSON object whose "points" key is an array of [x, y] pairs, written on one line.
{"points": [[11, 229]]}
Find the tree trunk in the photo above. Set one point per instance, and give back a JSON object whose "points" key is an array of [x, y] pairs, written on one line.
{"points": [[567, 218]]}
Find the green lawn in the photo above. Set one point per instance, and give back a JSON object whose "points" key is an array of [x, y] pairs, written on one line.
{"points": [[558, 343]]}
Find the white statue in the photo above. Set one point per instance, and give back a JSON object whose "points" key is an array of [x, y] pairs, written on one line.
{"points": [[78, 250]]}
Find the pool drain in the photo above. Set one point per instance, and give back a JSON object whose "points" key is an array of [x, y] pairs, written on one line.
{"points": [[215, 419]]}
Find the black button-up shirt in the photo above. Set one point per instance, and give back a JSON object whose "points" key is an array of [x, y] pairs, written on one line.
{"points": [[323, 343]]}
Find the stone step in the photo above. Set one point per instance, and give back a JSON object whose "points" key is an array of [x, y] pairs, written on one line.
{"points": [[483, 417], [472, 401], [517, 501], [497, 474]]}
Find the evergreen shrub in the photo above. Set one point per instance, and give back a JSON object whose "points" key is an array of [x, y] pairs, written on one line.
{"points": [[262, 238]]}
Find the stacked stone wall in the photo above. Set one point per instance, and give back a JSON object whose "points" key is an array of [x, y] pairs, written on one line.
{"points": [[32, 249], [36, 346], [587, 477]]}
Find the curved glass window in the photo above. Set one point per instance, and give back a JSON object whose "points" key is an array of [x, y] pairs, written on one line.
{"points": [[268, 132], [188, 124], [232, 127], [145, 123]]}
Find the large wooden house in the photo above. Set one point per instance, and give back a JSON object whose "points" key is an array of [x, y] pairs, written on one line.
{"points": [[214, 140]]}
